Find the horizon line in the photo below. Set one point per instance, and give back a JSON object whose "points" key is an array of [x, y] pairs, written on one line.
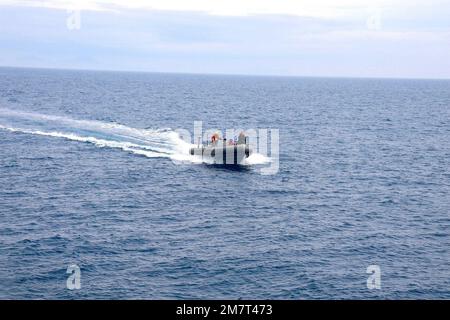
{"points": [[226, 74]]}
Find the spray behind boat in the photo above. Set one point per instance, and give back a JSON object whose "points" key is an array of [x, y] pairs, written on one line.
{"points": [[223, 151]]}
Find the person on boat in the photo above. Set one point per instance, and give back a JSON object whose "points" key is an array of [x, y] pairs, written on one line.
{"points": [[241, 139], [214, 139]]}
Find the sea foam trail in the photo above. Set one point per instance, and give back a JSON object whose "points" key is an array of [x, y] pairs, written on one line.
{"points": [[147, 142], [152, 143]]}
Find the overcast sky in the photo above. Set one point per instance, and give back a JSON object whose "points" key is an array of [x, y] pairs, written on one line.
{"points": [[378, 38]]}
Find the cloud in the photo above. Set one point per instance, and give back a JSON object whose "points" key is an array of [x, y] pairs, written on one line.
{"points": [[305, 8], [333, 40]]}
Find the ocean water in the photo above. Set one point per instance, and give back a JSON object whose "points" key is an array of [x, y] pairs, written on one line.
{"points": [[93, 173]]}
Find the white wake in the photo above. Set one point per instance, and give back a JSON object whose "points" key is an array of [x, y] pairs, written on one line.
{"points": [[151, 143]]}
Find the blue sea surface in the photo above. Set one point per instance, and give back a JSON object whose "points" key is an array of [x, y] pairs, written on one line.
{"points": [[88, 177]]}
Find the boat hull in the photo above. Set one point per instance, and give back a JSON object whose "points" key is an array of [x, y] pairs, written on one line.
{"points": [[226, 155]]}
